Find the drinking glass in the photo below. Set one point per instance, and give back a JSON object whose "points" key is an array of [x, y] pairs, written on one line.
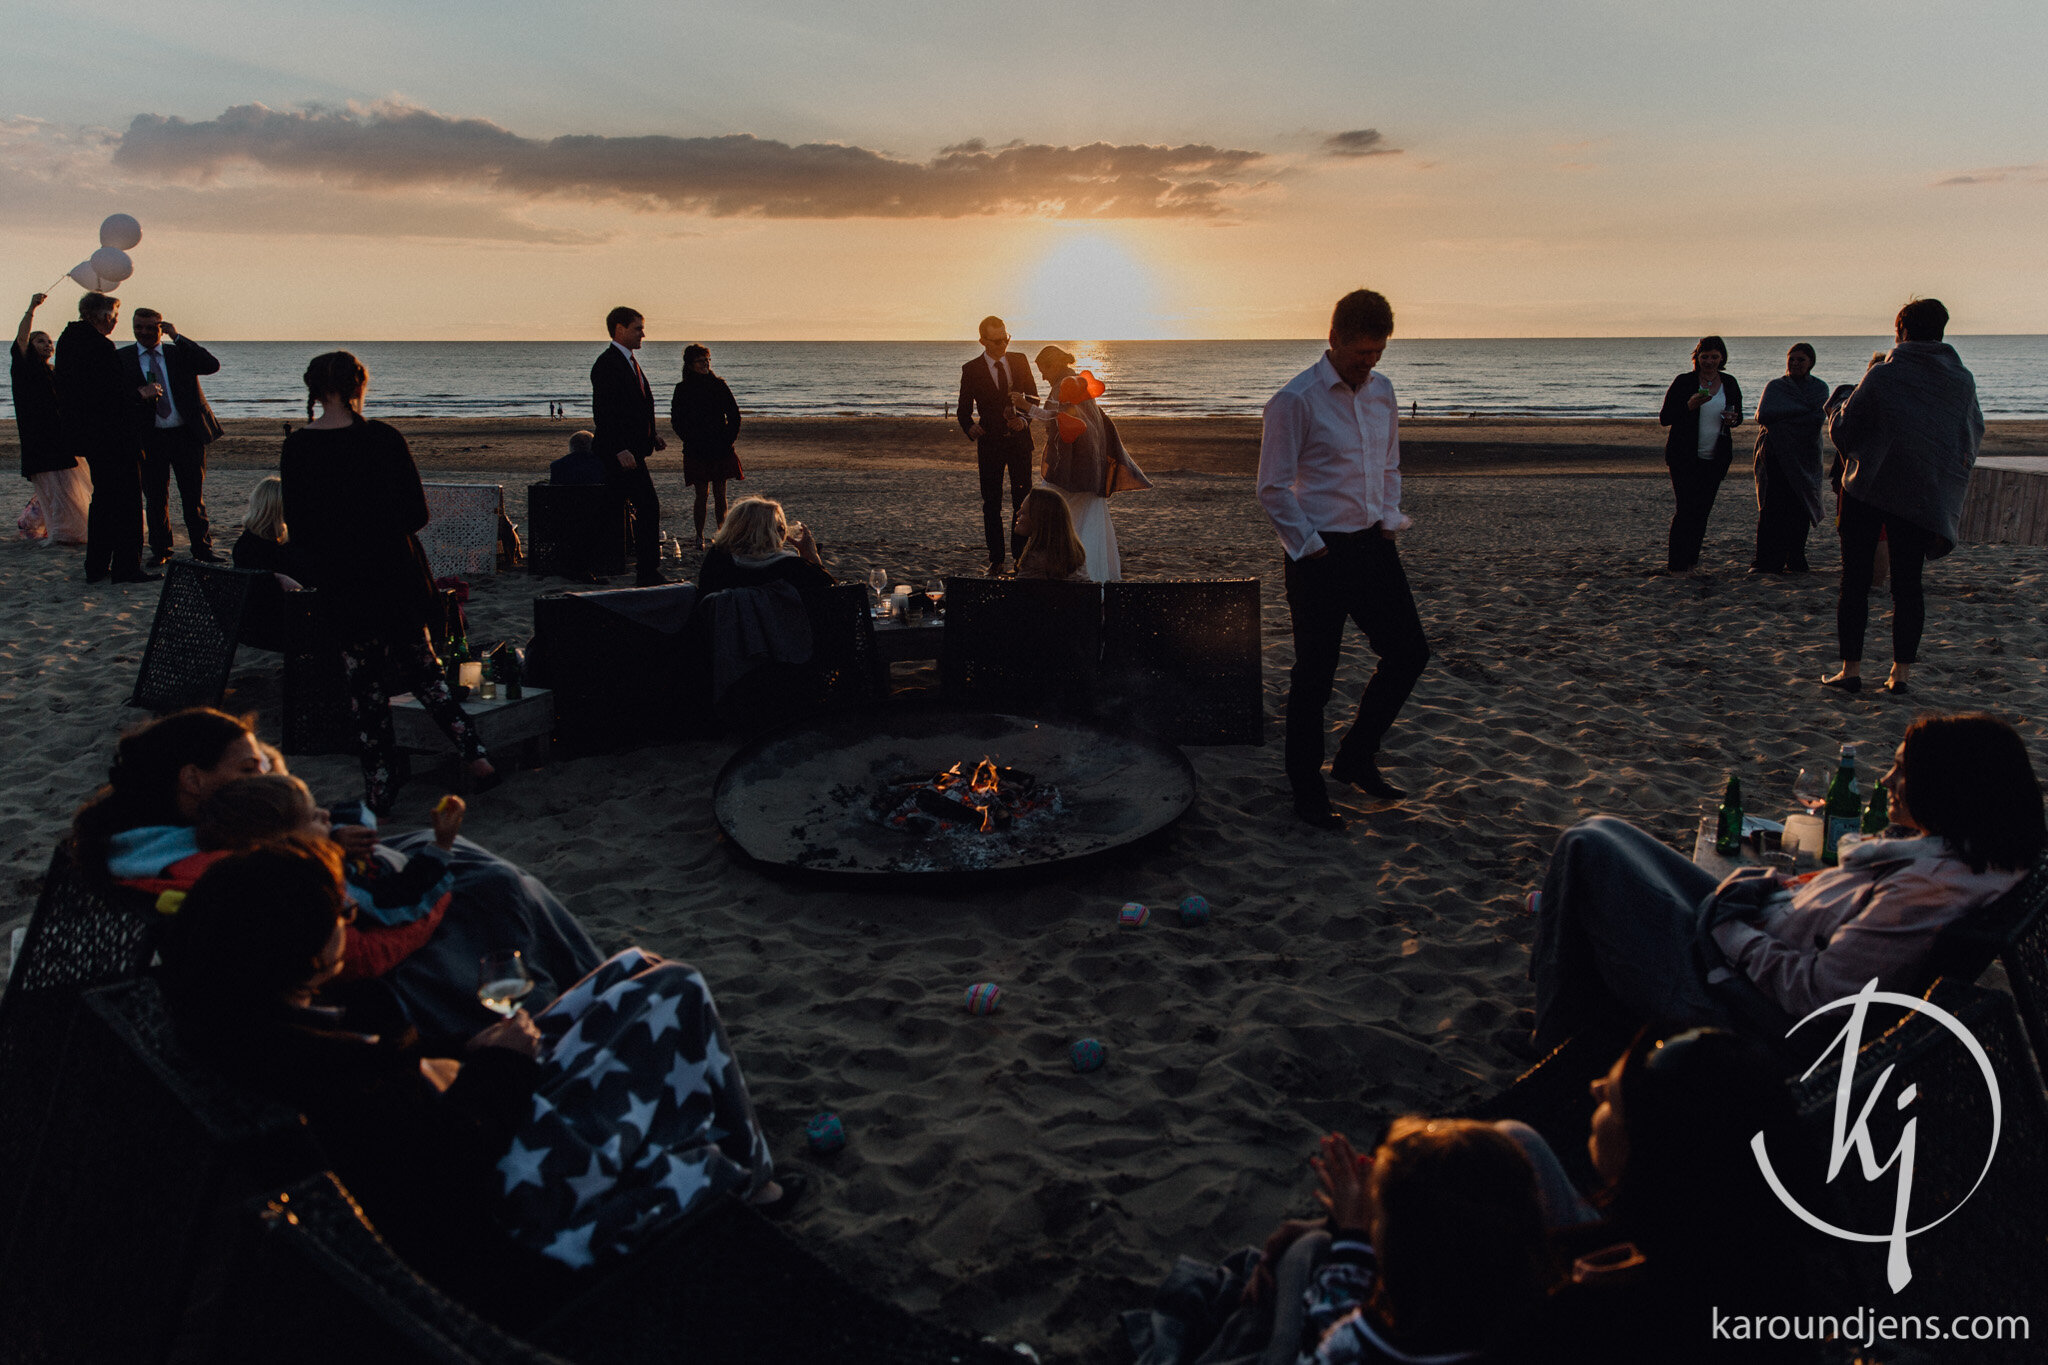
{"points": [[502, 981], [878, 579], [935, 592], [1810, 791]]}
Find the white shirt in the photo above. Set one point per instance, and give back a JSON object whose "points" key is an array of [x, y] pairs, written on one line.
{"points": [[1330, 458], [1709, 417], [999, 370], [160, 374], [633, 361]]}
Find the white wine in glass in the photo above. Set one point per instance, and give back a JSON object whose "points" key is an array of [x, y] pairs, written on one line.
{"points": [[502, 982], [935, 592]]}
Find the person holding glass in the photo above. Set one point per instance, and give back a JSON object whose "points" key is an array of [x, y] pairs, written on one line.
{"points": [[1085, 459], [1702, 407]]}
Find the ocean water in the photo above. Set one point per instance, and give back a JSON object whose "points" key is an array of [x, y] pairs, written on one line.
{"points": [[1507, 377]]}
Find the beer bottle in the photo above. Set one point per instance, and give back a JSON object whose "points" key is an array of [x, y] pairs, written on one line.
{"points": [[1844, 811], [1878, 817], [1728, 826]]}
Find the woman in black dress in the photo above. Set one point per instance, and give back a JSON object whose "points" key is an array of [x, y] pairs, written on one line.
{"points": [[353, 499], [264, 546], [1701, 407], [61, 483], [707, 420]]}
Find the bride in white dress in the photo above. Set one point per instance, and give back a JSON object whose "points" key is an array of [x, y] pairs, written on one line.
{"points": [[1084, 457]]}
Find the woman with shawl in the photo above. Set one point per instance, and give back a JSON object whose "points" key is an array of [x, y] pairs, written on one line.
{"points": [[1788, 473], [1085, 459]]}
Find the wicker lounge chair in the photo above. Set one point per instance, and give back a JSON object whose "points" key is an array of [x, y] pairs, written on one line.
{"points": [[192, 639]]}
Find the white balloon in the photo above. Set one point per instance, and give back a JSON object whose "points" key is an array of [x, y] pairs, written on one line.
{"points": [[120, 231], [112, 264], [87, 277]]}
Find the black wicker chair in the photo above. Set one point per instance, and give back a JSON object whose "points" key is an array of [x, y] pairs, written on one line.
{"points": [[559, 516], [192, 640], [315, 1285], [850, 670], [81, 935], [1988, 1257], [1181, 659], [618, 684], [1022, 645], [2014, 930]]}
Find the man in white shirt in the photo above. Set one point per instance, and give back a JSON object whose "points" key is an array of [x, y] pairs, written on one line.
{"points": [[176, 424], [1001, 436], [1330, 481]]}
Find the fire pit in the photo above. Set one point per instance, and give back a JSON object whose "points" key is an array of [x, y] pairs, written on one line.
{"points": [[915, 793]]}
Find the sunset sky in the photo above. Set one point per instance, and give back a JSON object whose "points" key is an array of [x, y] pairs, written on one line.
{"points": [[897, 168]]}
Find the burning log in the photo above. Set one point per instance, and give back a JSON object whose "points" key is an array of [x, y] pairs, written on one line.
{"points": [[987, 800]]}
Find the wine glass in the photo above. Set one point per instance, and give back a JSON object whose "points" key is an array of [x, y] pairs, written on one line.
{"points": [[935, 592], [1810, 791], [878, 579], [502, 981]]}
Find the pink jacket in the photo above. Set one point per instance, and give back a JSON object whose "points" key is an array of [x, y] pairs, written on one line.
{"points": [[1877, 915]]}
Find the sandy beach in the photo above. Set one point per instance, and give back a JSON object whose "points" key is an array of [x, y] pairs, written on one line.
{"points": [[1343, 979]]}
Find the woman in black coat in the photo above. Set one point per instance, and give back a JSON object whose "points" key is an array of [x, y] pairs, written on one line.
{"points": [[1701, 407], [707, 420], [353, 500]]}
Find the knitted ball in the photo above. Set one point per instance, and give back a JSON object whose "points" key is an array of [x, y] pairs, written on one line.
{"points": [[1088, 1055], [983, 997], [825, 1133], [1133, 915], [1194, 909]]}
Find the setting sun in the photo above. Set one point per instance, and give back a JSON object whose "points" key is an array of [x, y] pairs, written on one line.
{"points": [[1089, 285]]}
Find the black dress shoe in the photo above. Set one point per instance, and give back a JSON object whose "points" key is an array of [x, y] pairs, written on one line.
{"points": [[205, 555], [157, 559], [138, 577], [1317, 816], [99, 577], [1364, 774], [1897, 689], [1842, 682]]}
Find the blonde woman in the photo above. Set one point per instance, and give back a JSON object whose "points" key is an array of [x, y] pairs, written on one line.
{"points": [[1051, 549], [265, 546], [756, 545]]}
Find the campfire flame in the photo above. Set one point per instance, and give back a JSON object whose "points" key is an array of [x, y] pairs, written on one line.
{"points": [[978, 801]]}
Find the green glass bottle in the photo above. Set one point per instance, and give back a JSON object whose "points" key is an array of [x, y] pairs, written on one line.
{"points": [[1878, 818], [1844, 811], [1728, 825]]}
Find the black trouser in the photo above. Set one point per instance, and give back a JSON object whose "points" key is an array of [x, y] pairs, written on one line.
{"points": [[994, 456], [1360, 578], [113, 522], [633, 486], [1781, 523], [1693, 485], [168, 451], [1860, 524]]}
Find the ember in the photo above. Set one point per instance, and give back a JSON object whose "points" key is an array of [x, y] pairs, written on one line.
{"points": [[989, 800]]}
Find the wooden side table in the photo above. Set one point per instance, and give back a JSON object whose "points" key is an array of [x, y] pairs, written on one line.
{"points": [[528, 721]]}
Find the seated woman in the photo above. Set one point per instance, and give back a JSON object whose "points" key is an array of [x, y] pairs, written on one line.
{"points": [[1051, 549], [577, 1134], [165, 770], [265, 545], [756, 546], [1689, 1223], [1628, 930]]}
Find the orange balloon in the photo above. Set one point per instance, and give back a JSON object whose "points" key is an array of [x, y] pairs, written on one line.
{"points": [[1071, 427]]}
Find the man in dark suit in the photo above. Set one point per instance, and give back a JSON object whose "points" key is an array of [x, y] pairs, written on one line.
{"points": [[622, 410], [1002, 438], [176, 428], [99, 407]]}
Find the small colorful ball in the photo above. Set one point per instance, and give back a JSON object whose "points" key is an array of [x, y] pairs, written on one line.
{"points": [[825, 1133], [1133, 915], [1088, 1055], [983, 997], [1194, 909]]}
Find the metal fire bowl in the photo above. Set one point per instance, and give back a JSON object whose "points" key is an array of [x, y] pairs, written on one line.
{"points": [[800, 797]]}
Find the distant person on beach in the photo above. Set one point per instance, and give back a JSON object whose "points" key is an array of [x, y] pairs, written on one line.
{"points": [[1330, 481], [1701, 407], [1788, 466], [353, 499], [1001, 435], [1085, 458], [63, 488], [1052, 549], [1909, 436], [622, 410], [176, 427], [706, 419], [1629, 931], [98, 410]]}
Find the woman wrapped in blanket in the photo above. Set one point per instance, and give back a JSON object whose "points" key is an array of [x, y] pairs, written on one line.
{"points": [[563, 1139]]}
